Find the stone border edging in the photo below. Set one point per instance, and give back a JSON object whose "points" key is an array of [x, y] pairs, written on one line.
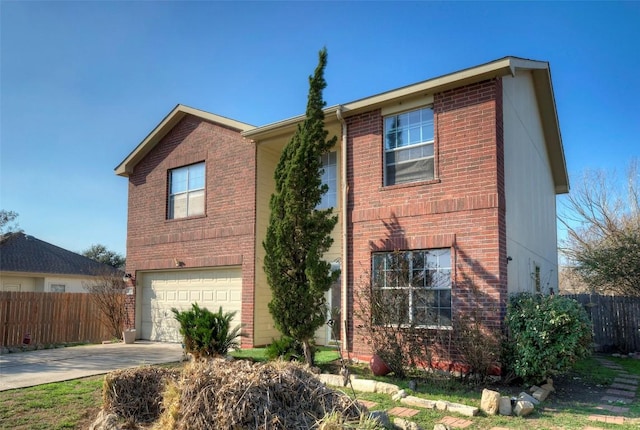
{"points": [[371, 386]]}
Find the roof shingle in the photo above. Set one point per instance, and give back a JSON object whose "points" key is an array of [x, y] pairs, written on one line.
{"points": [[20, 252]]}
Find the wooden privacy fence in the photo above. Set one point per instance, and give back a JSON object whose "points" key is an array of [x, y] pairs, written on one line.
{"points": [[49, 318], [616, 321]]}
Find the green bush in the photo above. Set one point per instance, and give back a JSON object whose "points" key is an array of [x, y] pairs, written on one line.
{"points": [[207, 334], [285, 348], [546, 336]]}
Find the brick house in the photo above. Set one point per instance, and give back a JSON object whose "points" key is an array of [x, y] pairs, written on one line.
{"points": [[459, 173]]}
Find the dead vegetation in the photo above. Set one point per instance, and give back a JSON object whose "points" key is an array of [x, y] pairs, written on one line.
{"points": [[135, 395], [219, 394]]}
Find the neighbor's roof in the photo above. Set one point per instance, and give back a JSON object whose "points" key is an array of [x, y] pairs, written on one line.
{"points": [[20, 252], [180, 111]]}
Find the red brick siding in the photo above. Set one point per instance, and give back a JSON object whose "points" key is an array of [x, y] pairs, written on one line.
{"points": [[462, 208], [225, 235]]}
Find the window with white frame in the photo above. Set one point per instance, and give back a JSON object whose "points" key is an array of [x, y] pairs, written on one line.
{"points": [[408, 148], [57, 288], [186, 191], [414, 286], [329, 178]]}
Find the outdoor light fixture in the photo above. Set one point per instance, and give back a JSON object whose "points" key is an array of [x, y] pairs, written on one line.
{"points": [[127, 277]]}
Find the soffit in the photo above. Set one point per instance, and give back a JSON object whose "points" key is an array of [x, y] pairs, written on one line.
{"points": [[396, 96], [394, 99]]}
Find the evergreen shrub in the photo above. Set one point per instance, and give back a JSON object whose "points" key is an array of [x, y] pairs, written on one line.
{"points": [[546, 336], [285, 348]]}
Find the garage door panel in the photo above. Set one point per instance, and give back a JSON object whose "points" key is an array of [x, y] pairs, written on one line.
{"points": [[236, 296], [162, 291]]}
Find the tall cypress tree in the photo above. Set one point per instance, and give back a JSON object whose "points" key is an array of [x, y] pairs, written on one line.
{"points": [[298, 234]]}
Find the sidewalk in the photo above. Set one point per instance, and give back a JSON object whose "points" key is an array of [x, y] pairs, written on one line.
{"points": [[26, 369]]}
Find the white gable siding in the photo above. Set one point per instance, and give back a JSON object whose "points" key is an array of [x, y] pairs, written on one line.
{"points": [[529, 188]]}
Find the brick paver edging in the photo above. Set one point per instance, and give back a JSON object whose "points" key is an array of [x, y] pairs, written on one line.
{"points": [[622, 391], [622, 386], [606, 419], [400, 411], [454, 422], [613, 409]]}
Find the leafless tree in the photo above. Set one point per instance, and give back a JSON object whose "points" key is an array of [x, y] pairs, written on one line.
{"points": [[602, 219], [107, 291]]}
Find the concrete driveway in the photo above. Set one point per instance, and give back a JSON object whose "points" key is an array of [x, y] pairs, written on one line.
{"points": [[26, 369]]}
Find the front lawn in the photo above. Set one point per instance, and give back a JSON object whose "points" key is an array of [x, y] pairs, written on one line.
{"points": [[75, 404], [324, 355], [61, 405], [577, 396]]}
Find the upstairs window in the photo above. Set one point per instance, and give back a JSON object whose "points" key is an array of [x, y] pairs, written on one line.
{"points": [[186, 191], [408, 149], [329, 178], [415, 286]]}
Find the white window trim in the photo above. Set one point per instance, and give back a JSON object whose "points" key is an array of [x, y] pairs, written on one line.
{"points": [[399, 110], [170, 209], [411, 288]]}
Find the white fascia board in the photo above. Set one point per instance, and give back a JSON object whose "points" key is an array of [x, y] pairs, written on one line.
{"points": [[180, 111]]}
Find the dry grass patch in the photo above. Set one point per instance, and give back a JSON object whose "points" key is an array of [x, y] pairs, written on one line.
{"points": [[135, 395]]}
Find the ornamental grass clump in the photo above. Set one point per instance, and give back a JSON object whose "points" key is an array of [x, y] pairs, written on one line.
{"points": [[220, 395], [137, 394], [547, 335]]}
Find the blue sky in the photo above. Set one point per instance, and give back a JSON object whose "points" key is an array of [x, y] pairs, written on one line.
{"points": [[82, 83]]}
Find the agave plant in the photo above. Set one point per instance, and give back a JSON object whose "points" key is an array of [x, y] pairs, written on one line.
{"points": [[207, 334]]}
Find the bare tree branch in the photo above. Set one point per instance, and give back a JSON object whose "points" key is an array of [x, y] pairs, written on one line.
{"points": [[602, 219], [107, 291]]}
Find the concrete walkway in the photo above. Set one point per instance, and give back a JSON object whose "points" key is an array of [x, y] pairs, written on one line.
{"points": [[26, 369]]}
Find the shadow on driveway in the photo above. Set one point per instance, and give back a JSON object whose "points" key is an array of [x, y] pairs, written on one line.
{"points": [[26, 369]]}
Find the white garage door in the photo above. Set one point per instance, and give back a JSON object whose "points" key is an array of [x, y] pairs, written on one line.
{"points": [[162, 291]]}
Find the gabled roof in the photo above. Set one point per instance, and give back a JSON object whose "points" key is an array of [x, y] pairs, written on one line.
{"points": [[125, 168], [541, 74], [20, 252]]}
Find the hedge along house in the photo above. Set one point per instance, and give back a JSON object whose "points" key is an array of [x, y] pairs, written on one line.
{"points": [[458, 173]]}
